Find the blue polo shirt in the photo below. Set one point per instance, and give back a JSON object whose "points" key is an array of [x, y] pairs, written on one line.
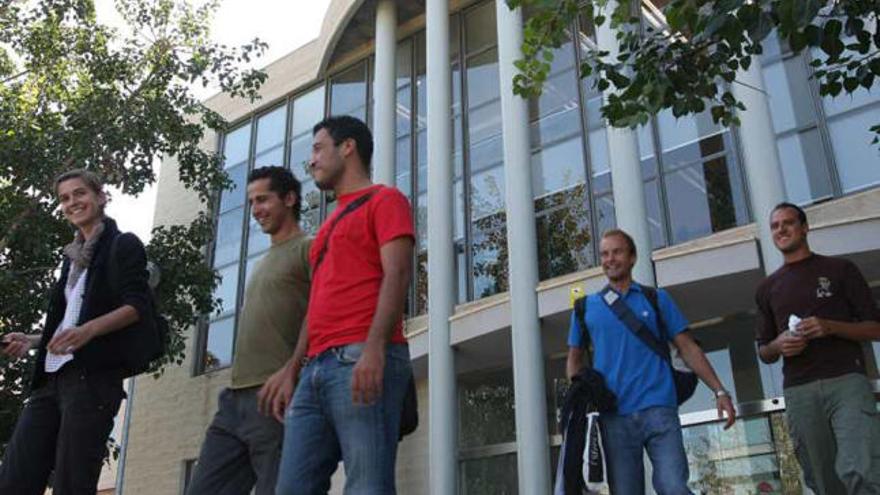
{"points": [[638, 376]]}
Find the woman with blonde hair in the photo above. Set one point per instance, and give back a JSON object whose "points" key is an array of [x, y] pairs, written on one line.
{"points": [[94, 331]]}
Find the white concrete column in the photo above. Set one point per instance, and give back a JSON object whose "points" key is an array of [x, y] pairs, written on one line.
{"points": [[626, 174], [385, 93], [760, 157], [442, 400], [533, 452]]}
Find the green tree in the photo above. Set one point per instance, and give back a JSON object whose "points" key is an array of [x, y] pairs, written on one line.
{"points": [[76, 93], [704, 43]]}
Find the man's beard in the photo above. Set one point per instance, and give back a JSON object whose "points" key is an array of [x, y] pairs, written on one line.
{"points": [[791, 248], [329, 181]]}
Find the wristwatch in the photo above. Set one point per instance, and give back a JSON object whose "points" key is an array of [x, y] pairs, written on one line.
{"points": [[721, 393]]}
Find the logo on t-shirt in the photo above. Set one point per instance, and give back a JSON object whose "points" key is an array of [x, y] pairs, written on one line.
{"points": [[824, 289]]}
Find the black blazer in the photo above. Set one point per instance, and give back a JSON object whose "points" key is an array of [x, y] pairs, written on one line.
{"points": [[116, 351]]}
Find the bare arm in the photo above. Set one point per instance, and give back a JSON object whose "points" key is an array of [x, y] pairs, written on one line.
{"points": [[71, 339], [696, 360], [17, 344], [785, 344], [861, 331], [575, 361], [396, 256]]}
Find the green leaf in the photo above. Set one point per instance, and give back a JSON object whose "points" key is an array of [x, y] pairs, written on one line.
{"points": [[833, 28], [814, 34], [850, 84]]}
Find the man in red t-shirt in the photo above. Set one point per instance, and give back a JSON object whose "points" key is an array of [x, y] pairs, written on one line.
{"points": [[347, 404]]}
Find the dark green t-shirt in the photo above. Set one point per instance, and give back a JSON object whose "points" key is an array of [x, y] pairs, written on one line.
{"points": [[275, 302]]}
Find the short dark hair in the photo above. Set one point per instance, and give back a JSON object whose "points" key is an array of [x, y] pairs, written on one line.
{"points": [[802, 215], [344, 127], [282, 182], [626, 237]]}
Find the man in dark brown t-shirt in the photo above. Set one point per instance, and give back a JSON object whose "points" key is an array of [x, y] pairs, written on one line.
{"points": [[816, 311]]}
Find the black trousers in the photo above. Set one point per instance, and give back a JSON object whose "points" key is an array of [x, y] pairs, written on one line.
{"points": [[64, 426], [241, 450]]}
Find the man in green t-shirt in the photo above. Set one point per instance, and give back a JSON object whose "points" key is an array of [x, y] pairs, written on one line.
{"points": [[242, 446]]}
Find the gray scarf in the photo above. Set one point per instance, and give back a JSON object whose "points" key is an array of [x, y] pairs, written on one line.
{"points": [[80, 253]]}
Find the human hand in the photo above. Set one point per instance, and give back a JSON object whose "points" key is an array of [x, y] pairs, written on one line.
{"points": [[790, 345], [16, 345], [275, 394], [70, 339], [366, 378], [813, 328], [725, 407]]}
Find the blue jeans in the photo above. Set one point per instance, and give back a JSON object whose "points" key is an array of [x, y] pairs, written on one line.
{"points": [[656, 430], [323, 426]]}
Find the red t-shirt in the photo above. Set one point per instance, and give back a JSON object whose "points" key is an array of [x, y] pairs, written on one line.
{"points": [[345, 288]]}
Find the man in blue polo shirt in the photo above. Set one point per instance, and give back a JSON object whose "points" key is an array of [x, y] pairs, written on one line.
{"points": [[647, 411]]}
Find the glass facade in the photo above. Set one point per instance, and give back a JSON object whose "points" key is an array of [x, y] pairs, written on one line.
{"points": [[693, 182], [694, 185], [230, 209], [824, 143], [282, 136]]}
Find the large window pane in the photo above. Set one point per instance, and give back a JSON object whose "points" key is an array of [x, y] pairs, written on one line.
{"points": [[701, 200], [227, 246], [236, 146], [788, 92], [227, 250], [597, 141], [802, 154], [218, 348], [348, 93], [563, 230], [227, 290], [678, 132], [486, 409], [404, 116], [559, 172], [308, 109], [804, 166], [489, 242], [857, 158], [494, 475], [739, 460], [271, 157], [704, 189], [270, 129], [482, 79], [421, 171], [234, 197], [861, 97]]}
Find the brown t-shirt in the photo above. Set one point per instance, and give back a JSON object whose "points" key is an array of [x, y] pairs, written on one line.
{"points": [[824, 287], [275, 302]]}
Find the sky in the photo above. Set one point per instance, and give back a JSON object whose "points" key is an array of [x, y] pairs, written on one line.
{"points": [[284, 24]]}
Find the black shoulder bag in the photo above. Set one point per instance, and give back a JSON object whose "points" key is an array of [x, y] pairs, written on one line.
{"points": [[153, 334], [409, 414]]}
